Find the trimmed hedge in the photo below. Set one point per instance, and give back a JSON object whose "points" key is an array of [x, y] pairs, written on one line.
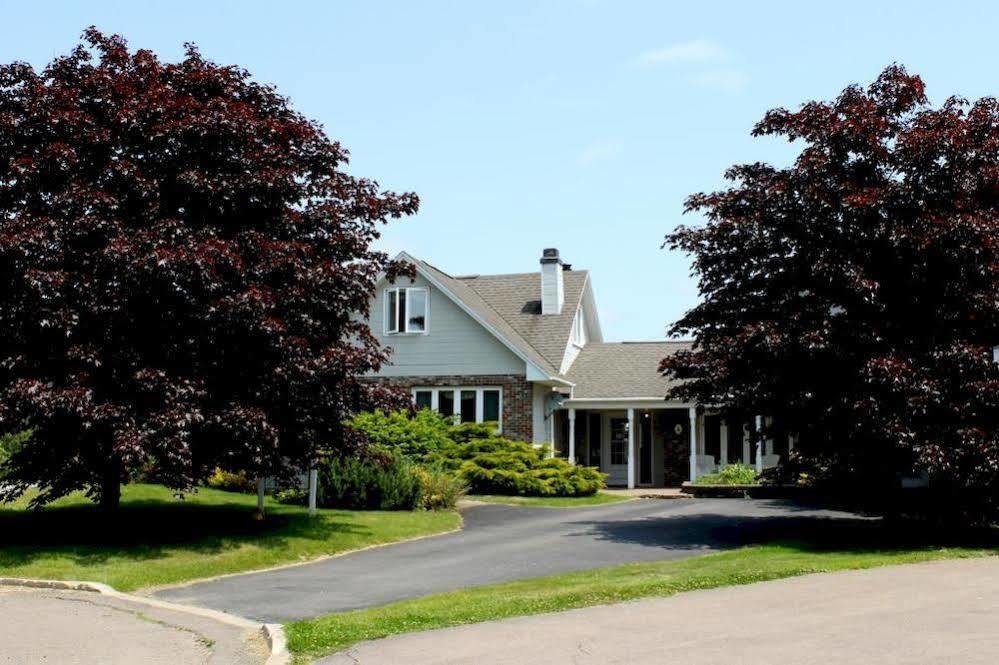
{"points": [[475, 456], [500, 466]]}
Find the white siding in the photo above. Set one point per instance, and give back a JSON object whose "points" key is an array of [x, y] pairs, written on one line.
{"points": [[454, 345], [541, 394]]}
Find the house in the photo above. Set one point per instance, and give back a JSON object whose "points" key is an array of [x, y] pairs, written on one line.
{"points": [[526, 350]]}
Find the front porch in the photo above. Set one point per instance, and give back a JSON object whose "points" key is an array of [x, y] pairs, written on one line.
{"points": [[652, 443]]}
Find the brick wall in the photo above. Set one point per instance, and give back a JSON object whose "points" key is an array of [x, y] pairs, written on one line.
{"points": [[517, 396]]}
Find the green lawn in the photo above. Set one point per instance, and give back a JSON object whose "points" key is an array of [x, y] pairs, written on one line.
{"points": [[595, 587], [156, 539], [550, 501]]}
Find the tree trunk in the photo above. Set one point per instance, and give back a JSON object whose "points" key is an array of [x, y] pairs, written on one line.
{"points": [[111, 487]]}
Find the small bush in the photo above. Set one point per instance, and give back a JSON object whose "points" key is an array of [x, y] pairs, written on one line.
{"points": [[370, 484], [294, 496], [10, 443], [733, 474], [232, 481], [440, 490]]}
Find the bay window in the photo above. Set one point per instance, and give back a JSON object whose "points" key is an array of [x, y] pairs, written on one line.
{"points": [[406, 310], [463, 404]]}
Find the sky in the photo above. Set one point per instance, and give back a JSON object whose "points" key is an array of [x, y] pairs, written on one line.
{"points": [[576, 124]]}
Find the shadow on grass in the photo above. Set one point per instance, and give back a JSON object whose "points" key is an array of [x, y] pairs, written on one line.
{"points": [[146, 529], [793, 527]]}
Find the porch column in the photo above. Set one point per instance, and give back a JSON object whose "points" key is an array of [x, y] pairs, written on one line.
{"points": [[723, 443], [759, 444], [792, 441], [769, 448], [693, 444], [631, 449], [572, 436], [746, 435]]}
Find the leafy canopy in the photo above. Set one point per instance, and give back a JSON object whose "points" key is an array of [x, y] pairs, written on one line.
{"points": [[854, 294], [186, 268]]}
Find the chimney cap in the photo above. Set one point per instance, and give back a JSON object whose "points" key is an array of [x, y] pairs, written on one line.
{"points": [[550, 255]]}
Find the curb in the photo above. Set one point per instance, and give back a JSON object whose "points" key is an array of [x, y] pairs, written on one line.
{"points": [[273, 633]]}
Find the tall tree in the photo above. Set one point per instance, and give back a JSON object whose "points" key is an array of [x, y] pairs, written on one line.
{"points": [[854, 295], [185, 270]]}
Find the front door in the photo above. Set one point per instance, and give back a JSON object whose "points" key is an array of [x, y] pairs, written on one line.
{"points": [[617, 467]]}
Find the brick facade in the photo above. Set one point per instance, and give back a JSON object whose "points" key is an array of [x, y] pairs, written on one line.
{"points": [[518, 402]]}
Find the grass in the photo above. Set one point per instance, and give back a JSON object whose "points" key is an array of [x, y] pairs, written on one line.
{"points": [[156, 539], [597, 499], [560, 592]]}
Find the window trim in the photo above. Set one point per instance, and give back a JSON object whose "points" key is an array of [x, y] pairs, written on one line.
{"points": [[390, 322], [578, 332], [480, 400]]}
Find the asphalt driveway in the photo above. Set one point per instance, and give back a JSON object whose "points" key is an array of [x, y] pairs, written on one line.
{"points": [[501, 543]]}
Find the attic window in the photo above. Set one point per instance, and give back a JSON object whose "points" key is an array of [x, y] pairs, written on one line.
{"points": [[579, 329], [406, 310]]}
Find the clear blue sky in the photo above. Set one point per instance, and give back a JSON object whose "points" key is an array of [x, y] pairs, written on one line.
{"points": [[577, 124]]}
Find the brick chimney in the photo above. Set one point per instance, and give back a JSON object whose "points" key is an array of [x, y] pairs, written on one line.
{"points": [[552, 290]]}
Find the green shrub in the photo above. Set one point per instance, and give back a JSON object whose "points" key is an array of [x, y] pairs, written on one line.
{"points": [[733, 474], [500, 466], [414, 436], [295, 496], [9, 443], [440, 490], [471, 453], [232, 481], [353, 483]]}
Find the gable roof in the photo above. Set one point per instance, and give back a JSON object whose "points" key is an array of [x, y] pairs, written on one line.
{"points": [[615, 370], [480, 309], [517, 299]]}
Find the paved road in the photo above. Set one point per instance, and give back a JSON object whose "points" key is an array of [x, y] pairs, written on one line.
{"points": [[85, 628], [943, 612], [501, 543]]}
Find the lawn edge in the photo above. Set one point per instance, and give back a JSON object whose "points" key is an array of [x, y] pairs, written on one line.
{"points": [[148, 590], [308, 656], [273, 633]]}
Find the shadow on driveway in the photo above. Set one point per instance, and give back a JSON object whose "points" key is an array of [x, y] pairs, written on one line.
{"points": [[501, 543]]}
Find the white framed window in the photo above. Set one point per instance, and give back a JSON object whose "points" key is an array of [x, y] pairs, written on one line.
{"points": [[407, 311], [579, 328], [478, 404]]}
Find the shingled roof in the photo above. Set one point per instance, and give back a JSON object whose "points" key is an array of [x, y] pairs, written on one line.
{"points": [[506, 303], [517, 298], [511, 306], [614, 370]]}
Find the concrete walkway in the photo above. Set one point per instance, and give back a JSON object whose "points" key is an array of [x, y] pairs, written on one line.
{"points": [[500, 543], [942, 612], [86, 628]]}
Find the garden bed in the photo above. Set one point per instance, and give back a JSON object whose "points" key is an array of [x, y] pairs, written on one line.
{"points": [[745, 491]]}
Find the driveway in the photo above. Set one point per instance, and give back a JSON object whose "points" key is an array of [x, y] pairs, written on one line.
{"points": [[501, 543], [942, 612], [83, 628]]}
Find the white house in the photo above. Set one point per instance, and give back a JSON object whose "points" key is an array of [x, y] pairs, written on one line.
{"points": [[526, 350]]}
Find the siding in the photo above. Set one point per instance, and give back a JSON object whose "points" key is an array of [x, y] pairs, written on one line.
{"points": [[455, 344]]}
